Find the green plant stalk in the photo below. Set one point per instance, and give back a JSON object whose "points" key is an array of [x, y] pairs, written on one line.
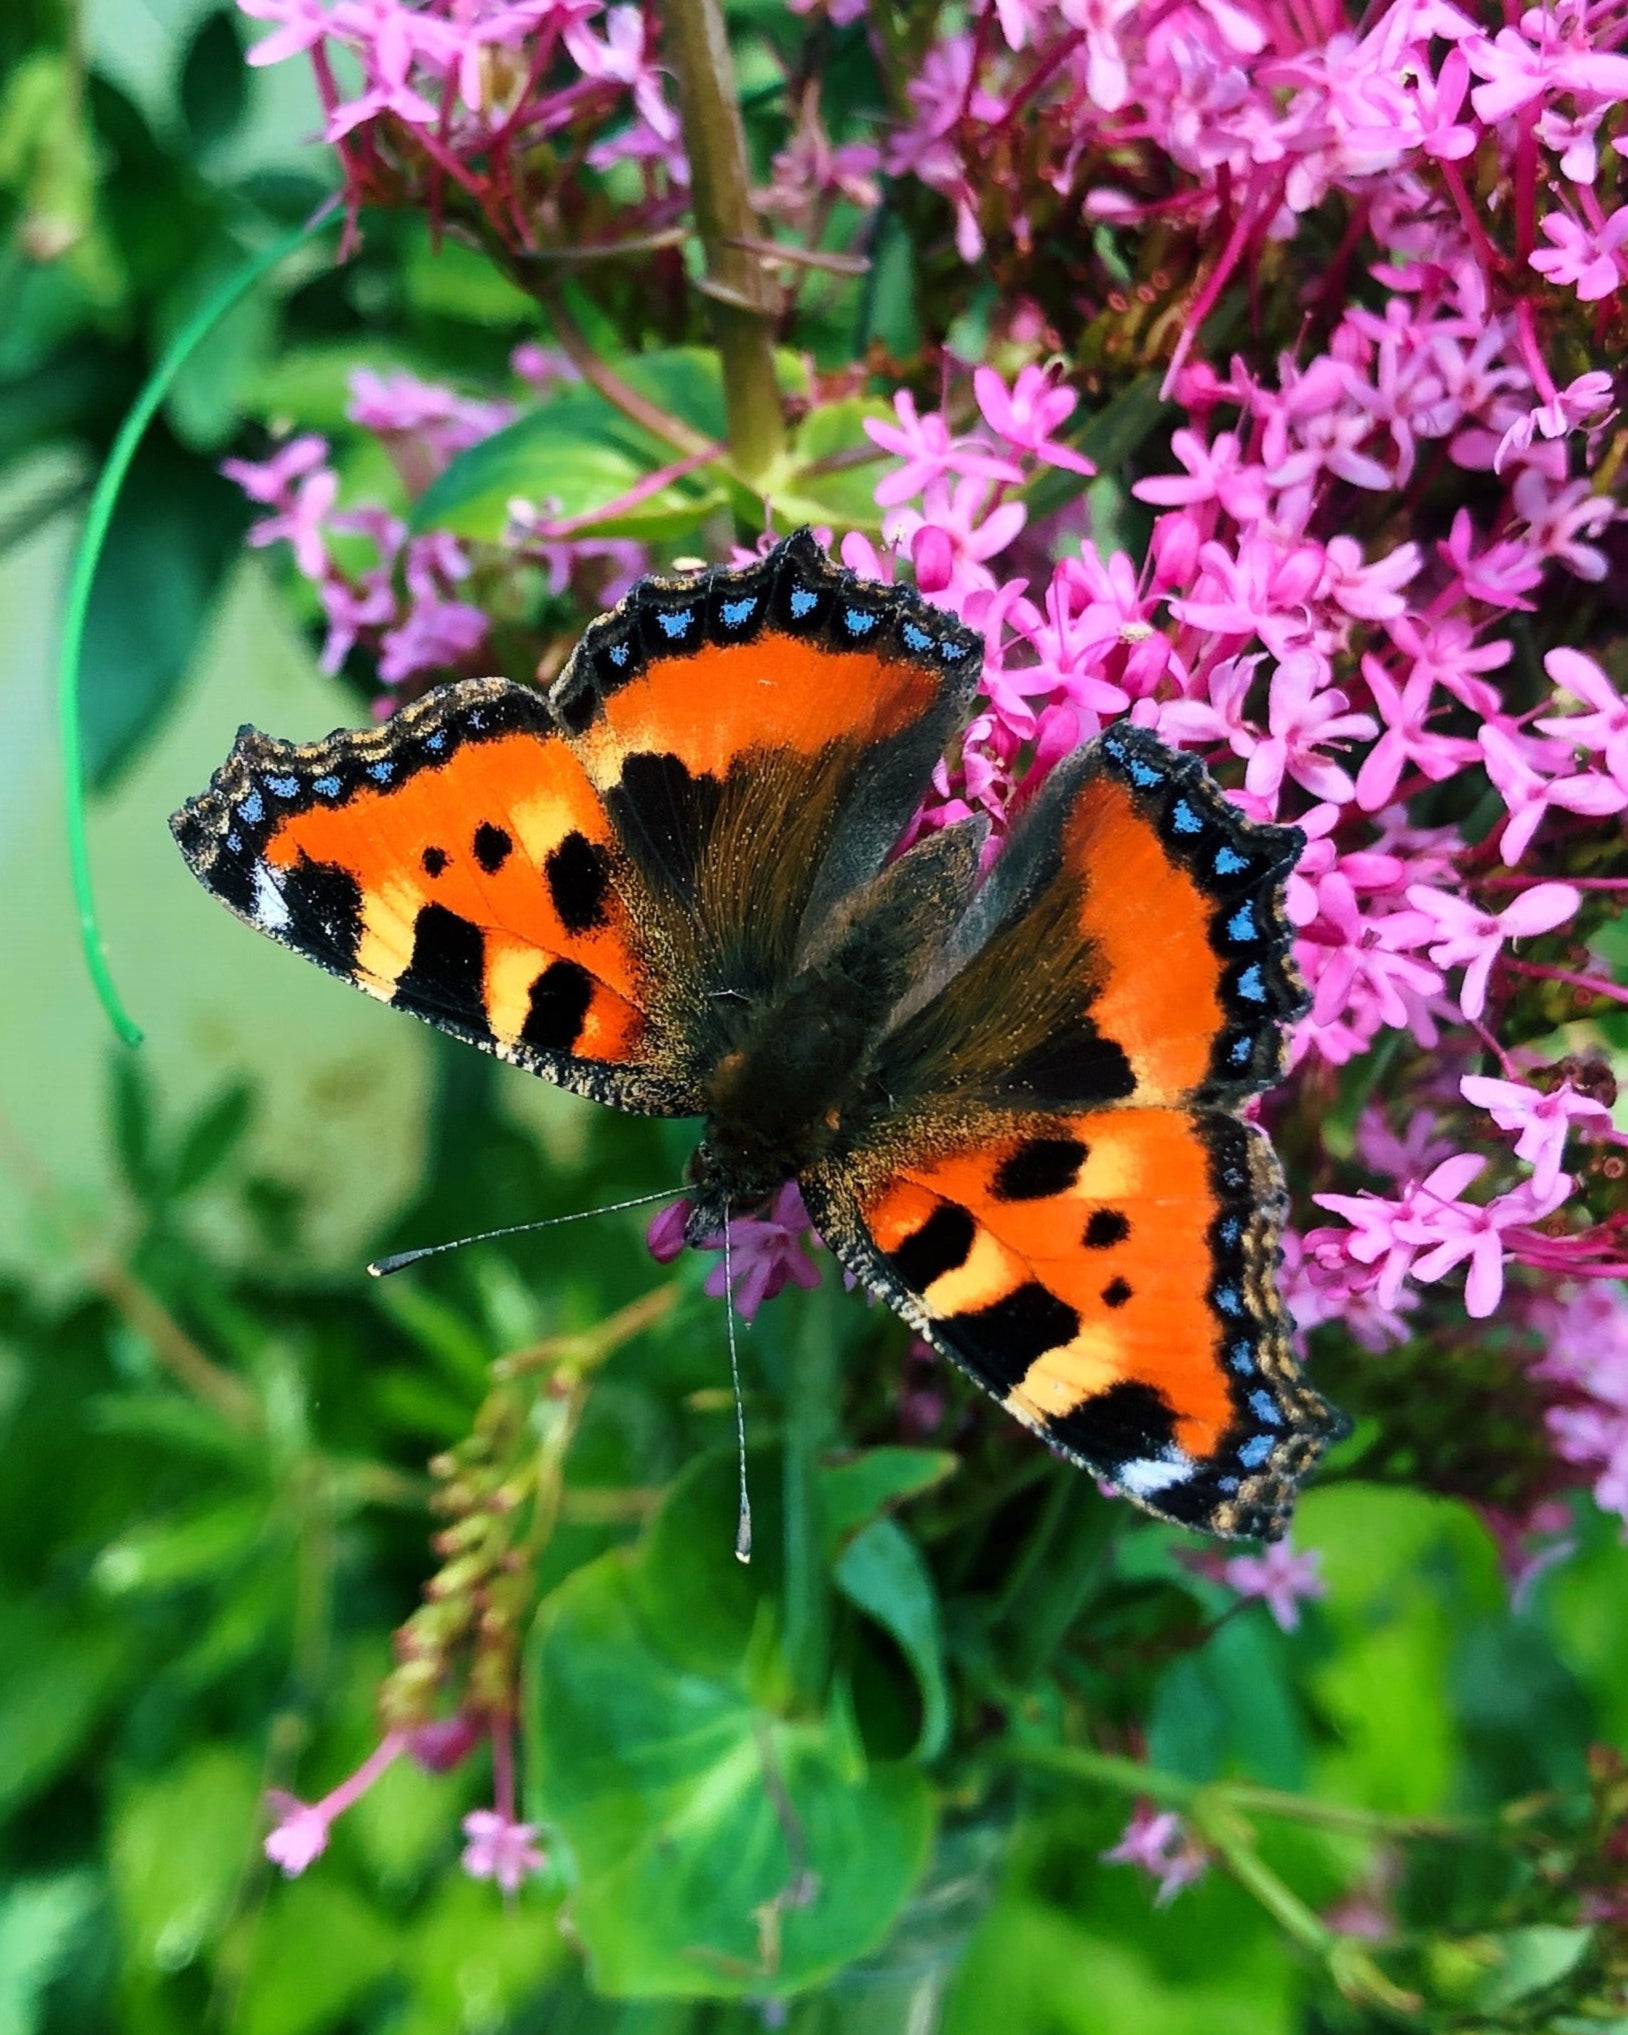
{"points": [[742, 298], [811, 1425], [87, 557]]}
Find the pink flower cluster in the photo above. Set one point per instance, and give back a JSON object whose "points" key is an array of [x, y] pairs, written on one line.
{"points": [[400, 596], [480, 104]]}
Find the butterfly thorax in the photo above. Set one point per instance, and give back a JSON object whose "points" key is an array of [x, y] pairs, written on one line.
{"points": [[784, 1093]]}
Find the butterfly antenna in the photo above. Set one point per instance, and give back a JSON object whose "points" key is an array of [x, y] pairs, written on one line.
{"points": [[743, 1521], [381, 1268]]}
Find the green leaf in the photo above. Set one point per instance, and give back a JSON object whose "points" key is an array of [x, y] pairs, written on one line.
{"points": [[714, 1848], [475, 1963], [1529, 1961], [214, 85], [39, 1922], [841, 490], [204, 403], [571, 456], [55, 1686], [883, 1574], [178, 1849], [176, 529], [875, 1480], [190, 1548], [132, 1112], [319, 1950], [212, 1137]]}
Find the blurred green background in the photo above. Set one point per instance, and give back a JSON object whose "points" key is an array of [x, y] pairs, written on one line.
{"points": [[213, 1430]]}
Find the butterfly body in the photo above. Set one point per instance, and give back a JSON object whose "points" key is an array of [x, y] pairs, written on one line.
{"points": [[1011, 1101]]}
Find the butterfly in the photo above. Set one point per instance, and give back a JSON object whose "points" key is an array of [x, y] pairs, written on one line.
{"points": [[1011, 1099]]}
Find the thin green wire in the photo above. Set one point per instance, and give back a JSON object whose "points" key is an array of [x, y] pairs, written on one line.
{"points": [[104, 500]]}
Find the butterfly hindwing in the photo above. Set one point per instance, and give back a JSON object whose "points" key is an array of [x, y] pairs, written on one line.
{"points": [[456, 863], [1109, 1278], [1056, 1194]]}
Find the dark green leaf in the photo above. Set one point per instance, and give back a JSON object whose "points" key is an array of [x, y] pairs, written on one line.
{"points": [[212, 1137], [177, 527], [715, 1849], [882, 1573], [214, 82], [132, 1114], [874, 1480]]}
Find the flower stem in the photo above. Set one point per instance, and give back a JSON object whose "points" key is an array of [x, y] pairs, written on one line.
{"points": [[810, 1392], [1591, 983], [743, 300]]}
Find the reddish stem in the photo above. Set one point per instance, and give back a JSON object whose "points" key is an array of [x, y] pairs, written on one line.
{"points": [[1591, 983]]}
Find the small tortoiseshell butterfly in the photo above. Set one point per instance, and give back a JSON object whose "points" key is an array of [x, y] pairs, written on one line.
{"points": [[1011, 1104]]}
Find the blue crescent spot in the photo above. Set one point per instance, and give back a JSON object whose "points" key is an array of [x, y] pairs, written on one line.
{"points": [[1241, 926], [477, 720], [1141, 774], [436, 741], [1251, 986], [381, 773], [1184, 819], [328, 786], [858, 621], [916, 637], [284, 787], [1255, 1451], [234, 840], [1239, 1052], [1232, 1176], [1228, 862], [675, 625], [737, 612], [1265, 1409], [617, 654], [252, 808], [803, 602], [1243, 1356], [1226, 1298], [952, 652], [1227, 1484], [1229, 1230]]}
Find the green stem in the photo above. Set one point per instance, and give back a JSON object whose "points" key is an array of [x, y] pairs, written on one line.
{"points": [[810, 1393], [742, 297], [98, 518]]}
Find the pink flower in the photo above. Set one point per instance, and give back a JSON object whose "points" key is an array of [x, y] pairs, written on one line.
{"points": [[1604, 730], [929, 452], [272, 480], [664, 1239], [501, 1850], [1543, 1120], [1570, 407], [1585, 258], [1406, 738], [1473, 938], [1460, 1232], [301, 1831], [1030, 416], [766, 1253], [305, 23], [1528, 795], [1304, 714], [972, 531], [301, 523], [1387, 1233], [1159, 1844], [1282, 1579], [437, 635], [1216, 473]]}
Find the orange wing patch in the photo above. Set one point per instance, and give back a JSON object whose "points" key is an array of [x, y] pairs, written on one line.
{"points": [[457, 863], [1110, 1278], [722, 701], [1148, 924], [1070, 1293]]}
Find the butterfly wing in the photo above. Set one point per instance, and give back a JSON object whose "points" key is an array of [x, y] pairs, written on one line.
{"points": [[592, 885], [1059, 1196], [456, 863], [760, 738]]}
